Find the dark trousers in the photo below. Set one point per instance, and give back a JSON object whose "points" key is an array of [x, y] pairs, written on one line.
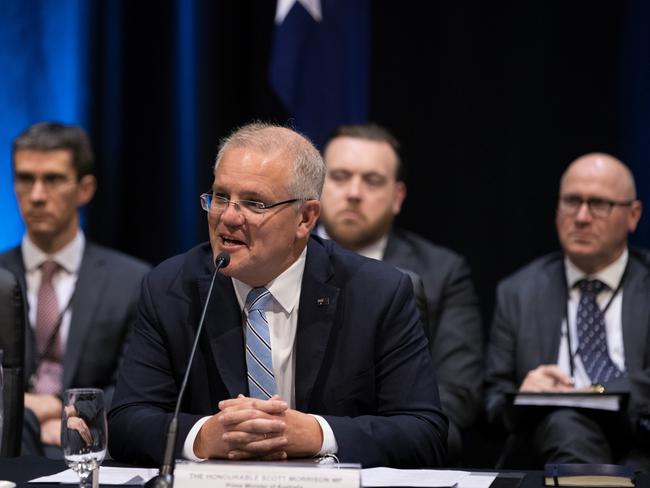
{"points": [[567, 435]]}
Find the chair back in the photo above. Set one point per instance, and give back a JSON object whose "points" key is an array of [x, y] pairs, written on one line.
{"points": [[12, 343]]}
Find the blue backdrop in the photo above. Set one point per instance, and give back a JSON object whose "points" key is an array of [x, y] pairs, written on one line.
{"points": [[44, 66]]}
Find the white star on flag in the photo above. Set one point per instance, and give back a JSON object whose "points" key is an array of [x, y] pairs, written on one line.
{"points": [[313, 7]]}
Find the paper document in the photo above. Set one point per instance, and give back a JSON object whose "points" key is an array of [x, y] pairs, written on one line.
{"points": [[107, 476], [413, 477], [477, 480]]}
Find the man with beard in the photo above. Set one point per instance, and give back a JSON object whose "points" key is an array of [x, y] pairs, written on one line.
{"points": [[363, 193]]}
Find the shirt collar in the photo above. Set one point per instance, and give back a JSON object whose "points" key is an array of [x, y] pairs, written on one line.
{"points": [[611, 275], [69, 257], [375, 250], [285, 289]]}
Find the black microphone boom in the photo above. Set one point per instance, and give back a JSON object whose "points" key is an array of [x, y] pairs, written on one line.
{"points": [[165, 478]]}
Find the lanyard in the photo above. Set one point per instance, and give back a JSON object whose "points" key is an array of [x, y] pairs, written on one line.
{"points": [[566, 317]]}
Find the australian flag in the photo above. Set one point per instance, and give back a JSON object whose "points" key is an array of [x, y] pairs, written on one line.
{"points": [[319, 63]]}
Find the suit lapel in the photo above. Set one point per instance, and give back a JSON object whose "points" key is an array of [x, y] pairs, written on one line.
{"points": [[550, 306], [224, 330], [636, 309], [89, 288], [318, 304], [397, 251]]}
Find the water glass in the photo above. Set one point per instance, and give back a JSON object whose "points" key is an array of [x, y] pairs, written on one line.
{"points": [[83, 431]]}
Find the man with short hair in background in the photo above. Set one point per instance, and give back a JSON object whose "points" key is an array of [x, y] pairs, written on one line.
{"points": [[363, 193], [81, 296]]}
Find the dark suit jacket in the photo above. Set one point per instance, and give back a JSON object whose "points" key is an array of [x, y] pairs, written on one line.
{"points": [[456, 331], [526, 331], [103, 310], [361, 359]]}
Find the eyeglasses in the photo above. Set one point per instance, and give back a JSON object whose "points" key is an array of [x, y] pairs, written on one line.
{"points": [[52, 182], [210, 201], [598, 207]]}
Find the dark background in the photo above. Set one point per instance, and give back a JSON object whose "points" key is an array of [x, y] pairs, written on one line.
{"points": [[491, 101]]}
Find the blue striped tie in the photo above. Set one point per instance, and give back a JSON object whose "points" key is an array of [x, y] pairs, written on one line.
{"points": [[259, 361]]}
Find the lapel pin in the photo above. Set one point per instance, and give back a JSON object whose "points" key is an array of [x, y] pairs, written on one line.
{"points": [[321, 302]]}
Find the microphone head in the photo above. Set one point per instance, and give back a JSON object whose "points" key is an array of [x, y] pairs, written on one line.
{"points": [[223, 259]]}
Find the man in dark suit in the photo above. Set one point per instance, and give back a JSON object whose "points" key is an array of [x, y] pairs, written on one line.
{"points": [[331, 361], [80, 316], [572, 319], [363, 193]]}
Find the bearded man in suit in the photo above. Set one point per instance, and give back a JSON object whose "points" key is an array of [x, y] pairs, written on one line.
{"points": [[363, 193]]}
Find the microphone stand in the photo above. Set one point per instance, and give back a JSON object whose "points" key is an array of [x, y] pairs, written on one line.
{"points": [[165, 477]]}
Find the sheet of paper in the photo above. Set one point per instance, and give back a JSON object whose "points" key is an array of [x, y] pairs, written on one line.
{"points": [[107, 476], [413, 477], [372, 477], [477, 480]]}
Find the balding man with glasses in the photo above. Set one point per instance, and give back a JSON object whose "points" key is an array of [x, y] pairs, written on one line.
{"points": [[575, 319], [308, 349]]}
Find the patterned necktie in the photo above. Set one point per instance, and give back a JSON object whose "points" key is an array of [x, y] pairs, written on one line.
{"points": [[259, 361], [592, 336], [48, 343]]}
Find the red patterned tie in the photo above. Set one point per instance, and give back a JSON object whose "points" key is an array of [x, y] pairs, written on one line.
{"points": [[50, 369]]}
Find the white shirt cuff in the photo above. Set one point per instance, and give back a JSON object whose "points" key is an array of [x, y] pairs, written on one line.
{"points": [[188, 445], [329, 441]]}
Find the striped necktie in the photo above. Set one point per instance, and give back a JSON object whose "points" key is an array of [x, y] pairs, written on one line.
{"points": [[259, 360], [50, 369]]}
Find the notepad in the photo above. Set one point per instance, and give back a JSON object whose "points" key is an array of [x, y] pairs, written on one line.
{"points": [[612, 402], [599, 475]]}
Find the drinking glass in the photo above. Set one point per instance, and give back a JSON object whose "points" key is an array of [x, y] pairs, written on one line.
{"points": [[83, 431]]}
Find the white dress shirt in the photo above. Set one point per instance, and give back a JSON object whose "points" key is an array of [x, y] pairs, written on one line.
{"points": [[376, 250], [611, 276], [282, 315], [64, 281]]}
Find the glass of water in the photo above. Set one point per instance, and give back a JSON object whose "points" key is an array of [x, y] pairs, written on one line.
{"points": [[83, 431]]}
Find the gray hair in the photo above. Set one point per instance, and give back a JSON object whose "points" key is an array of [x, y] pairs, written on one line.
{"points": [[308, 167]]}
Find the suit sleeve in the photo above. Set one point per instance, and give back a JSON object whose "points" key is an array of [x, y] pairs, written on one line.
{"points": [[147, 389], [130, 316], [408, 429], [457, 346], [501, 356]]}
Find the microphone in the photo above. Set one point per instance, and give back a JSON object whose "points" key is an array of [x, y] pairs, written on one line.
{"points": [[165, 478]]}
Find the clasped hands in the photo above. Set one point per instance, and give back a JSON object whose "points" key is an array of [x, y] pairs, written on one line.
{"points": [[249, 428], [47, 409]]}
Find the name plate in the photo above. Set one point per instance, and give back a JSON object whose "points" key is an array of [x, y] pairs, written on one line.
{"points": [[246, 474]]}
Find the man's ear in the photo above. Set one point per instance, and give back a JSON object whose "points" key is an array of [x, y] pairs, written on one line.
{"points": [[398, 197], [87, 188], [309, 214], [636, 209]]}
